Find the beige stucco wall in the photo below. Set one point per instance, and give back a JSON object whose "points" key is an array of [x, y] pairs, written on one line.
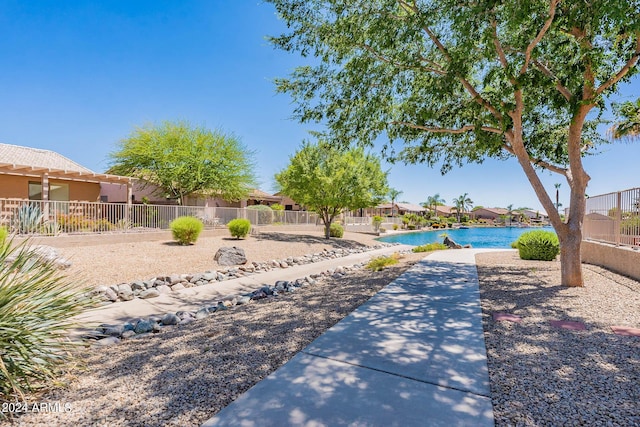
{"points": [[621, 259], [14, 187], [82, 191], [17, 187]]}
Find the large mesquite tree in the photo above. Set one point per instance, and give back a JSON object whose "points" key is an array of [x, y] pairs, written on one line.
{"points": [[457, 82]]}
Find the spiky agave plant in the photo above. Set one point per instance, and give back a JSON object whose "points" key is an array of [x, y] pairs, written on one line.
{"points": [[37, 304]]}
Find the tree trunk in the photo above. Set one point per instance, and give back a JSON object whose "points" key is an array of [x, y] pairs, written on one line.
{"points": [[327, 230], [570, 257]]}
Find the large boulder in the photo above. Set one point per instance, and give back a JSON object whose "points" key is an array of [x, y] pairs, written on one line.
{"points": [[451, 244], [45, 253], [230, 256]]}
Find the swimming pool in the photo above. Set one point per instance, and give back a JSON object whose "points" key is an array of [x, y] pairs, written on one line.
{"points": [[481, 237]]}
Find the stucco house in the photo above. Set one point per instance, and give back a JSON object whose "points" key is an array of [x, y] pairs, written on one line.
{"points": [[116, 193], [36, 174], [493, 214], [385, 209]]}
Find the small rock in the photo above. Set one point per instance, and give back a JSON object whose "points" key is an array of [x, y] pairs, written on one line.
{"points": [[149, 293], [163, 289], [170, 319], [143, 326], [177, 287], [104, 342], [138, 286], [110, 295]]}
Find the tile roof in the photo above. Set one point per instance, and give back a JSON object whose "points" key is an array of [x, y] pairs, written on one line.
{"points": [[38, 158], [18, 160]]}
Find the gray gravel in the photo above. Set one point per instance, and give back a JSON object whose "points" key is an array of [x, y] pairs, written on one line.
{"points": [[544, 376], [185, 374]]}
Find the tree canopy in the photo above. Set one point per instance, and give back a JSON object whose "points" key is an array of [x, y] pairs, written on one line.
{"points": [[627, 125], [328, 180], [182, 160], [458, 82]]}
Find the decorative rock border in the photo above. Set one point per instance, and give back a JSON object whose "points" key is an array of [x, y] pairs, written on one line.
{"points": [[107, 334], [156, 286]]}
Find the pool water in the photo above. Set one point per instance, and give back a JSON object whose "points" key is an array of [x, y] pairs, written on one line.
{"points": [[481, 237]]}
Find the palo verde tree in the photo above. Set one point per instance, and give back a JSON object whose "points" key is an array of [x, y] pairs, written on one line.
{"points": [[458, 82], [181, 160], [328, 180]]}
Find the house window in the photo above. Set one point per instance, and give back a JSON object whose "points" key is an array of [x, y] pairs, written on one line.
{"points": [[57, 192], [35, 191]]}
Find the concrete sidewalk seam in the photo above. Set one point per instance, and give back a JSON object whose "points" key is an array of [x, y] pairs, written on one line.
{"points": [[393, 374]]}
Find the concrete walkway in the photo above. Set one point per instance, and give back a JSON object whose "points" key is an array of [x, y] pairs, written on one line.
{"points": [[413, 355], [194, 298]]}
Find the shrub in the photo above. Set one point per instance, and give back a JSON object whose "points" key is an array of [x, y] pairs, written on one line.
{"points": [[376, 221], [261, 214], [379, 263], [239, 228], [186, 229], [395, 226], [538, 245], [336, 230], [37, 304], [28, 218], [430, 247]]}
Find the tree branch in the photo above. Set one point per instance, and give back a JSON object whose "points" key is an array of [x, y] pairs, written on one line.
{"points": [[463, 129], [384, 59], [468, 86], [547, 72], [624, 70], [538, 38], [538, 162]]}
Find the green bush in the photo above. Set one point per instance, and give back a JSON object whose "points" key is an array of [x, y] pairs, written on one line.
{"points": [[186, 229], [430, 247], [376, 221], [239, 228], [538, 245], [336, 230], [37, 304], [379, 263], [260, 214]]}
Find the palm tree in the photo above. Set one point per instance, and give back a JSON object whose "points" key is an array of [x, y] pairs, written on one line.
{"points": [[557, 196], [393, 193], [462, 203], [510, 209], [433, 202], [629, 127]]}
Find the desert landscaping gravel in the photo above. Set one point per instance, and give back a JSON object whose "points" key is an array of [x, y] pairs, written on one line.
{"points": [[539, 375]]}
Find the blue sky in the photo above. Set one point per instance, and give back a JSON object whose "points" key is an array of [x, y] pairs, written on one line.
{"points": [[77, 77]]}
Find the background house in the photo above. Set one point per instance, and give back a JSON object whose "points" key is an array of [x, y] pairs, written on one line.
{"points": [[35, 174], [117, 193], [492, 214], [386, 209]]}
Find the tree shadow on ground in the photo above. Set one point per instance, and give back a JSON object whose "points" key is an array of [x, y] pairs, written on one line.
{"points": [[540, 373], [202, 367]]}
